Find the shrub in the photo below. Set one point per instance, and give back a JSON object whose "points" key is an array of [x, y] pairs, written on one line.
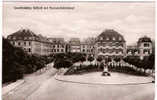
{"points": [[16, 62]]}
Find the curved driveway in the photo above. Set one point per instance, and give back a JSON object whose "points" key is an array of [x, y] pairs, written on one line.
{"points": [[57, 90]]}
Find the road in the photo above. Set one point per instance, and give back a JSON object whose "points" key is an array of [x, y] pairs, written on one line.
{"points": [[31, 83], [57, 90], [46, 87]]}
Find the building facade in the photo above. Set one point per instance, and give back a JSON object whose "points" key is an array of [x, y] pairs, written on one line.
{"points": [[87, 48], [75, 45], [58, 45], [132, 51], [142, 48], [30, 42], [110, 44]]}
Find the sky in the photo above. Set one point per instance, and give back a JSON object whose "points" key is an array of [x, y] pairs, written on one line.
{"points": [[86, 19]]}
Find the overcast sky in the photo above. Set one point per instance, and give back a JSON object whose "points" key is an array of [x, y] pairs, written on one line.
{"points": [[131, 19]]}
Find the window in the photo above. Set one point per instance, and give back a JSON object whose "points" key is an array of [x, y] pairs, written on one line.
{"points": [[29, 43], [148, 51], [101, 38], [100, 50], [57, 46], [19, 43], [144, 51], [25, 43], [30, 38], [113, 38], [53, 46], [29, 49], [146, 45], [33, 38], [14, 38], [25, 38], [62, 50], [120, 38], [62, 46], [54, 50], [121, 51], [9, 37], [83, 50], [57, 50], [13, 43]]}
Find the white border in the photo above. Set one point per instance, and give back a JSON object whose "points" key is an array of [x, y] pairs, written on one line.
{"points": [[78, 0], [73, 1], [1, 48]]}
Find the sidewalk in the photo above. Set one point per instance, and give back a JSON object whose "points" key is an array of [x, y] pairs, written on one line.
{"points": [[29, 82], [11, 86]]}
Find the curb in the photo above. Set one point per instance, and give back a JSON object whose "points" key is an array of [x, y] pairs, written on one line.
{"points": [[99, 84], [11, 87]]}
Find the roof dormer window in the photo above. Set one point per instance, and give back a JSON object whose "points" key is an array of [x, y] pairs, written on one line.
{"points": [[30, 38], [120, 38], [113, 38], [101, 38], [107, 38], [9, 37], [33, 38], [14, 38], [25, 38]]}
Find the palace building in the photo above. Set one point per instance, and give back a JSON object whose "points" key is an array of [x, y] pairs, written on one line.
{"points": [[88, 48], [110, 44], [142, 48], [30, 42], [58, 45], [132, 51], [145, 46], [75, 45]]}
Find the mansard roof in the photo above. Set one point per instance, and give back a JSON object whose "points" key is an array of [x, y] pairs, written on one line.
{"points": [[74, 41], [110, 35], [144, 39], [24, 33]]}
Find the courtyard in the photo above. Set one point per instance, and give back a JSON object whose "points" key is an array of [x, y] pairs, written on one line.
{"points": [[96, 87], [97, 78]]}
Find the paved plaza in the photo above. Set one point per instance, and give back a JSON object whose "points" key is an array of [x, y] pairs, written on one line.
{"points": [[53, 89], [97, 78]]}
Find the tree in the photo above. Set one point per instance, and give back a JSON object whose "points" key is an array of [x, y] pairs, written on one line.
{"points": [[82, 58], [62, 63], [90, 59], [16, 62], [151, 60], [117, 59], [99, 59]]}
